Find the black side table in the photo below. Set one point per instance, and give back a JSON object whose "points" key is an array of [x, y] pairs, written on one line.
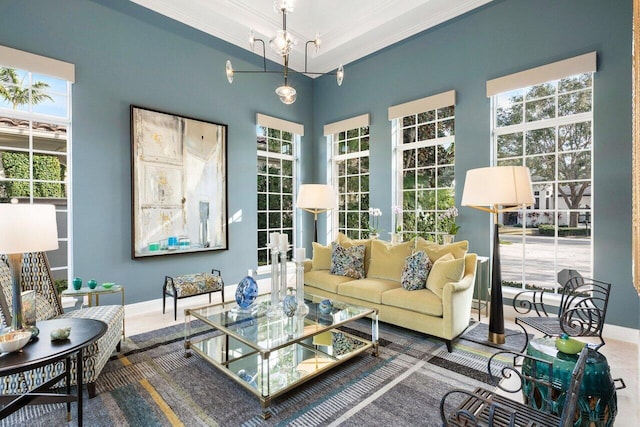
{"points": [[43, 352]]}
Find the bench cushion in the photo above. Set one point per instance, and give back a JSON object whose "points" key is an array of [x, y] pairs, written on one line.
{"points": [[194, 284]]}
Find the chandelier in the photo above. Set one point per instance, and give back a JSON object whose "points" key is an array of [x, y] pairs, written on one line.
{"points": [[282, 43]]}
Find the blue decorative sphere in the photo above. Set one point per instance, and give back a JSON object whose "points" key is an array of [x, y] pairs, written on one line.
{"points": [[325, 306], [246, 292], [289, 305]]}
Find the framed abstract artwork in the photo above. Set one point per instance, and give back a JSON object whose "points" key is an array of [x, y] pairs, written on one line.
{"points": [[178, 184]]}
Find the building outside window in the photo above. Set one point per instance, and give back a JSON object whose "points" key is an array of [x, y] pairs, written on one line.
{"points": [[35, 128], [349, 172], [549, 128], [424, 136], [277, 181]]}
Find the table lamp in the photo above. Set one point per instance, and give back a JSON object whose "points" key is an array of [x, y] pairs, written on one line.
{"points": [[25, 228], [316, 198], [487, 189]]}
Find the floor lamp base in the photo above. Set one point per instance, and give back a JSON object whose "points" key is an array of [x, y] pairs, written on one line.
{"points": [[496, 338]]}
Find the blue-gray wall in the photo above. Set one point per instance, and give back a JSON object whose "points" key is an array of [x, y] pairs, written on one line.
{"points": [[125, 54], [504, 37]]}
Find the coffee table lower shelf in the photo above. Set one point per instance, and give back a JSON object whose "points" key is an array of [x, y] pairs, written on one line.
{"points": [[269, 374]]}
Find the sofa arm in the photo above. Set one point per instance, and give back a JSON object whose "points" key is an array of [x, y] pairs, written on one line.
{"points": [[308, 264], [457, 299]]}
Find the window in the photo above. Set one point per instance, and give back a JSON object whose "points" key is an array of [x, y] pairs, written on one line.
{"points": [[350, 175], [276, 176], [424, 136], [35, 123], [547, 126]]}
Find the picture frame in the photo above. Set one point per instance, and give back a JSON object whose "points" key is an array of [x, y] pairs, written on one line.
{"points": [[178, 184]]}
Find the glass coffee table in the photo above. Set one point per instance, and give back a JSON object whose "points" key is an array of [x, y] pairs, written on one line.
{"points": [[270, 356]]}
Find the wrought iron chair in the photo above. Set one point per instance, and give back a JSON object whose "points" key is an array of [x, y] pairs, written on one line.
{"points": [[581, 313], [484, 407]]}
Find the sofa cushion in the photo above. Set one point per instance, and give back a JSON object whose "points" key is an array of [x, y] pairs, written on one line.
{"points": [[321, 257], [435, 251], [324, 280], [387, 260], [347, 261], [422, 301], [415, 271], [348, 242], [446, 269], [367, 289]]}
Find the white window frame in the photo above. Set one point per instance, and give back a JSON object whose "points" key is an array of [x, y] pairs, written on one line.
{"points": [[396, 115], [41, 65], [332, 132], [521, 81], [297, 131]]}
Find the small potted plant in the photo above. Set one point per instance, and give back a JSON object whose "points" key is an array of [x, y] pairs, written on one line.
{"points": [[374, 219], [397, 214], [448, 220]]}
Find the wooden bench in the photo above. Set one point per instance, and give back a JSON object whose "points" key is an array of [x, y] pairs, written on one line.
{"points": [[189, 285]]}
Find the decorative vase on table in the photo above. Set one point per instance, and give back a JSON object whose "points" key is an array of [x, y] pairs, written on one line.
{"points": [[246, 292], [289, 303], [448, 239]]}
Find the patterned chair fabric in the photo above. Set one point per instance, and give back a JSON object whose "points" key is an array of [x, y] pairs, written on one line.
{"points": [[36, 275], [189, 285]]}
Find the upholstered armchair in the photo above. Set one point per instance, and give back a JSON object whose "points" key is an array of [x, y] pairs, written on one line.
{"points": [[36, 275]]}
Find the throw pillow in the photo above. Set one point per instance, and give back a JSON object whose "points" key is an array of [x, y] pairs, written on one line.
{"points": [[387, 260], [347, 242], [347, 262], [446, 269], [321, 259], [415, 271], [436, 251]]}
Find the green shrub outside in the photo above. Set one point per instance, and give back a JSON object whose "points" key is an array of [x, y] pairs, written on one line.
{"points": [[549, 230], [45, 168]]}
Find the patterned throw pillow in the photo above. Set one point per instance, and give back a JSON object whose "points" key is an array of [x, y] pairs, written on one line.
{"points": [[347, 262], [415, 271]]}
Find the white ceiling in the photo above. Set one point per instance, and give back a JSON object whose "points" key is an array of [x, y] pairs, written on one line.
{"points": [[349, 29]]}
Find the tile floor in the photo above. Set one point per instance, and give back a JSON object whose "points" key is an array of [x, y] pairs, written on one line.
{"points": [[621, 355]]}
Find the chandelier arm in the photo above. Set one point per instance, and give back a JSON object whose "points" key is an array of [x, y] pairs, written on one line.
{"points": [[264, 54], [306, 51], [256, 72]]}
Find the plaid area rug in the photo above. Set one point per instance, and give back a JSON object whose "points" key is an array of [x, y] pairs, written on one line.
{"points": [[152, 383]]}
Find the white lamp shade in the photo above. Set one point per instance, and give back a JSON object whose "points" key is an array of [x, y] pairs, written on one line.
{"points": [[498, 185], [316, 197], [27, 228]]}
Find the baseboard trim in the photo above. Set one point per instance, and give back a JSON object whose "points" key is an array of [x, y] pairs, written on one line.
{"points": [[621, 333]]}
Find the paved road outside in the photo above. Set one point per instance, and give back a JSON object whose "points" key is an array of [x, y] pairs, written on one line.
{"points": [[573, 253]]}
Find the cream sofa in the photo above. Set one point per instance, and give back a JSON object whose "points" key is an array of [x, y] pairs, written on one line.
{"points": [[441, 310]]}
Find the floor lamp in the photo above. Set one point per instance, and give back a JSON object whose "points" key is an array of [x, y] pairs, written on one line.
{"points": [[25, 228], [316, 198], [488, 189]]}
